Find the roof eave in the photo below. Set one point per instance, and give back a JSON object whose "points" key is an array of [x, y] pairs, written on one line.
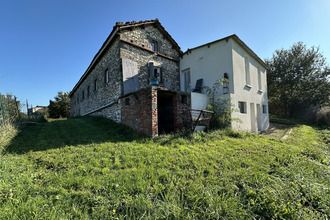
{"points": [[239, 41]]}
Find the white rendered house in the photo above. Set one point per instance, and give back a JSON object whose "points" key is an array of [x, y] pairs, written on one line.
{"points": [[229, 58]]}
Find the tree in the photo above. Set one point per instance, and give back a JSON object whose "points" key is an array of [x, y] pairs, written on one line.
{"points": [[60, 108], [297, 79]]}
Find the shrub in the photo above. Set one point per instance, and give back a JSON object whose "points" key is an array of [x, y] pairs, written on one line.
{"points": [[220, 106], [323, 116]]}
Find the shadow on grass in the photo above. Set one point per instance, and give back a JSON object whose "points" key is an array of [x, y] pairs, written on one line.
{"points": [[76, 131]]}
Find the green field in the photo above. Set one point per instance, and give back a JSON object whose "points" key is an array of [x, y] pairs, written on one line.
{"points": [[93, 168]]}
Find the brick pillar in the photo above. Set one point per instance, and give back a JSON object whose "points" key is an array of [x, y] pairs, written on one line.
{"points": [[154, 112]]}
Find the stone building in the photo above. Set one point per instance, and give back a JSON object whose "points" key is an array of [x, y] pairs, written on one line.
{"points": [[118, 84], [141, 78]]}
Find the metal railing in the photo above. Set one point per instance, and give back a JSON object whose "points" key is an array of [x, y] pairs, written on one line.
{"points": [[201, 118]]}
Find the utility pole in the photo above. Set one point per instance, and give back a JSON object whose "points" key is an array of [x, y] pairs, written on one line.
{"points": [[27, 109]]}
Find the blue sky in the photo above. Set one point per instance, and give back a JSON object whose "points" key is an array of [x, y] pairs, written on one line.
{"points": [[46, 46]]}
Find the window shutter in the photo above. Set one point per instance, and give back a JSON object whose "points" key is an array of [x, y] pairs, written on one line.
{"points": [[151, 70]]}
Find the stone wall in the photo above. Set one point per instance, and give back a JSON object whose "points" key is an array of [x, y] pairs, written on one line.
{"points": [[136, 45], [113, 112], [104, 92]]}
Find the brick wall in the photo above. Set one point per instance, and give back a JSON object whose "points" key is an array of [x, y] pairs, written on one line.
{"points": [[182, 114], [139, 110]]}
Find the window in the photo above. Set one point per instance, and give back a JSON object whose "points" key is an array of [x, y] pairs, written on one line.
{"points": [[106, 76], [127, 101], [158, 73], [95, 85], [186, 80], [247, 70], [264, 109], [259, 79], [154, 45], [184, 99], [242, 107], [83, 95], [88, 91]]}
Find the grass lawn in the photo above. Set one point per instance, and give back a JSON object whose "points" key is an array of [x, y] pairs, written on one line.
{"points": [[93, 168]]}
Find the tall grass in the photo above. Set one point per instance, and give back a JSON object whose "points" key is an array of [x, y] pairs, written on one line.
{"points": [[93, 168], [7, 133]]}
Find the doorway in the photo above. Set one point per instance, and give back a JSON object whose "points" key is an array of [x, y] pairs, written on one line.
{"points": [[253, 118], [165, 112], [259, 117]]}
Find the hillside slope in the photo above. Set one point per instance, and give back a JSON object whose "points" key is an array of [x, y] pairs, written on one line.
{"points": [[93, 168]]}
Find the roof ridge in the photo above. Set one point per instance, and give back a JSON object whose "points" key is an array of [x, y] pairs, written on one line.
{"points": [[129, 23]]}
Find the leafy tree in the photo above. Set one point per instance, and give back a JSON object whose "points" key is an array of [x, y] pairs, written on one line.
{"points": [[297, 79], [60, 108]]}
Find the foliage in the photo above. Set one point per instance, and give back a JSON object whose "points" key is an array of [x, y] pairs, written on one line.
{"points": [[297, 79], [93, 168], [218, 104], [60, 107], [10, 109]]}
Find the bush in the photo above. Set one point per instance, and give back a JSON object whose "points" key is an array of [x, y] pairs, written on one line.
{"points": [[315, 114], [323, 116]]}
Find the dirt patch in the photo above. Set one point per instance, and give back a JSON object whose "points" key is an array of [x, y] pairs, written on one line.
{"points": [[277, 130]]}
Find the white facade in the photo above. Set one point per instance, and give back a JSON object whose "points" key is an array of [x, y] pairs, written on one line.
{"points": [[247, 87]]}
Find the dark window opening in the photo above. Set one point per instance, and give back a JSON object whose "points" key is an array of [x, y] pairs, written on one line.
{"points": [[242, 107], [264, 109], [154, 46], [83, 95], [106, 76], [127, 101], [95, 85], [184, 99]]}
